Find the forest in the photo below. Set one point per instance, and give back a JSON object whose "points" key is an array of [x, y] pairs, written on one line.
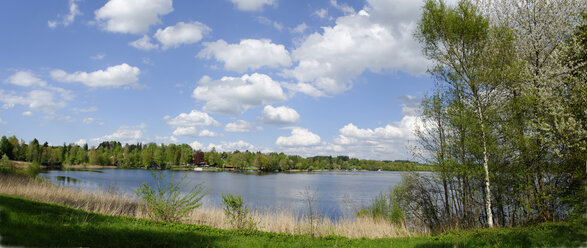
{"points": [[172, 155]]}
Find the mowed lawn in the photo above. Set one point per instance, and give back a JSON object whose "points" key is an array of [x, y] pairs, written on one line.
{"points": [[35, 224]]}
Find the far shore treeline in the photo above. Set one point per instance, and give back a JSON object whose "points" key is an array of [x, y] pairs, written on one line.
{"points": [[152, 155]]}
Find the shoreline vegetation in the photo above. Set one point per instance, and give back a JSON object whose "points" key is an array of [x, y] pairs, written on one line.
{"points": [[34, 212], [23, 165], [76, 218]]}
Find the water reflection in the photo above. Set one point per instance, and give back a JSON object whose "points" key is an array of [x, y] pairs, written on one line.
{"points": [[338, 194], [66, 179]]}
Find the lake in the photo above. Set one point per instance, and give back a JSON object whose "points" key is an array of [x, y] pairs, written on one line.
{"points": [[337, 193]]}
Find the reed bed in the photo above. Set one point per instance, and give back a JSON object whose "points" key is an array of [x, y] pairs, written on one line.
{"points": [[273, 220], [94, 201]]}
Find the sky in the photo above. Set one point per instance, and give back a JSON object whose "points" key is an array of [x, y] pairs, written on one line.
{"points": [[303, 77]]}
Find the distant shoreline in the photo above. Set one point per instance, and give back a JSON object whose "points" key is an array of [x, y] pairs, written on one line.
{"points": [[214, 169]]}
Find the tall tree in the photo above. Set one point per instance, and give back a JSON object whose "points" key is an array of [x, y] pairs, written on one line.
{"points": [[34, 151], [6, 148], [547, 102], [462, 44]]}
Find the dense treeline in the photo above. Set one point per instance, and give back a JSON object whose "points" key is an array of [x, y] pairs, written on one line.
{"points": [[506, 124], [161, 156]]}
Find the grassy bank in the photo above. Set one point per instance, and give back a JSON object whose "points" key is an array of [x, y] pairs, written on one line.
{"points": [[31, 223]]}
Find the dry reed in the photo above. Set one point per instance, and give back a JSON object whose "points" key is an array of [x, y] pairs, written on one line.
{"points": [[281, 221]]}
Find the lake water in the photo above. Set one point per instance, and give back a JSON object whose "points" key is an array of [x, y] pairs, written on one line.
{"points": [[337, 193]]}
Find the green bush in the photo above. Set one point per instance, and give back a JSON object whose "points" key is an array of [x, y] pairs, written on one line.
{"points": [[33, 169], [6, 166], [385, 207], [170, 202], [363, 213], [237, 212]]}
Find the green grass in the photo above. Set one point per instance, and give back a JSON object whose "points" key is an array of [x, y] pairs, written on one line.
{"points": [[33, 224]]}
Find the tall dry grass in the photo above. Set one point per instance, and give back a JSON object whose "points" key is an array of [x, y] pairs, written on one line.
{"points": [[100, 202], [281, 221]]}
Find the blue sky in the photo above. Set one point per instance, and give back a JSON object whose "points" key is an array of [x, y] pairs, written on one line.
{"points": [[300, 77]]}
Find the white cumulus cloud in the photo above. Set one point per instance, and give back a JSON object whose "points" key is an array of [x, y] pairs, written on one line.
{"points": [[279, 115], [194, 118], [305, 88], [132, 16], [166, 139], [225, 146], [144, 43], [391, 141], [197, 145], [232, 95], [125, 134], [252, 5], [208, 133], [239, 126], [249, 54], [113, 76], [181, 33], [193, 132], [43, 97], [25, 79], [376, 39], [81, 142], [185, 131], [185, 124], [38, 100], [299, 137]]}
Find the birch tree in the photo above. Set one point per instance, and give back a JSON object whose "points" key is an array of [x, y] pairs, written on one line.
{"points": [[473, 58]]}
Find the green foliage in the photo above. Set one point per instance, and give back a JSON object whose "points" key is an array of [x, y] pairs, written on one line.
{"points": [[505, 125], [33, 169], [237, 212], [6, 165], [6, 148], [385, 207], [170, 201], [363, 213], [163, 156]]}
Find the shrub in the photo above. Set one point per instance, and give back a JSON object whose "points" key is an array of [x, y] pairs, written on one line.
{"points": [[386, 207], [237, 212], [169, 201], [363, 213], [33, 169], [6, 166]]}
